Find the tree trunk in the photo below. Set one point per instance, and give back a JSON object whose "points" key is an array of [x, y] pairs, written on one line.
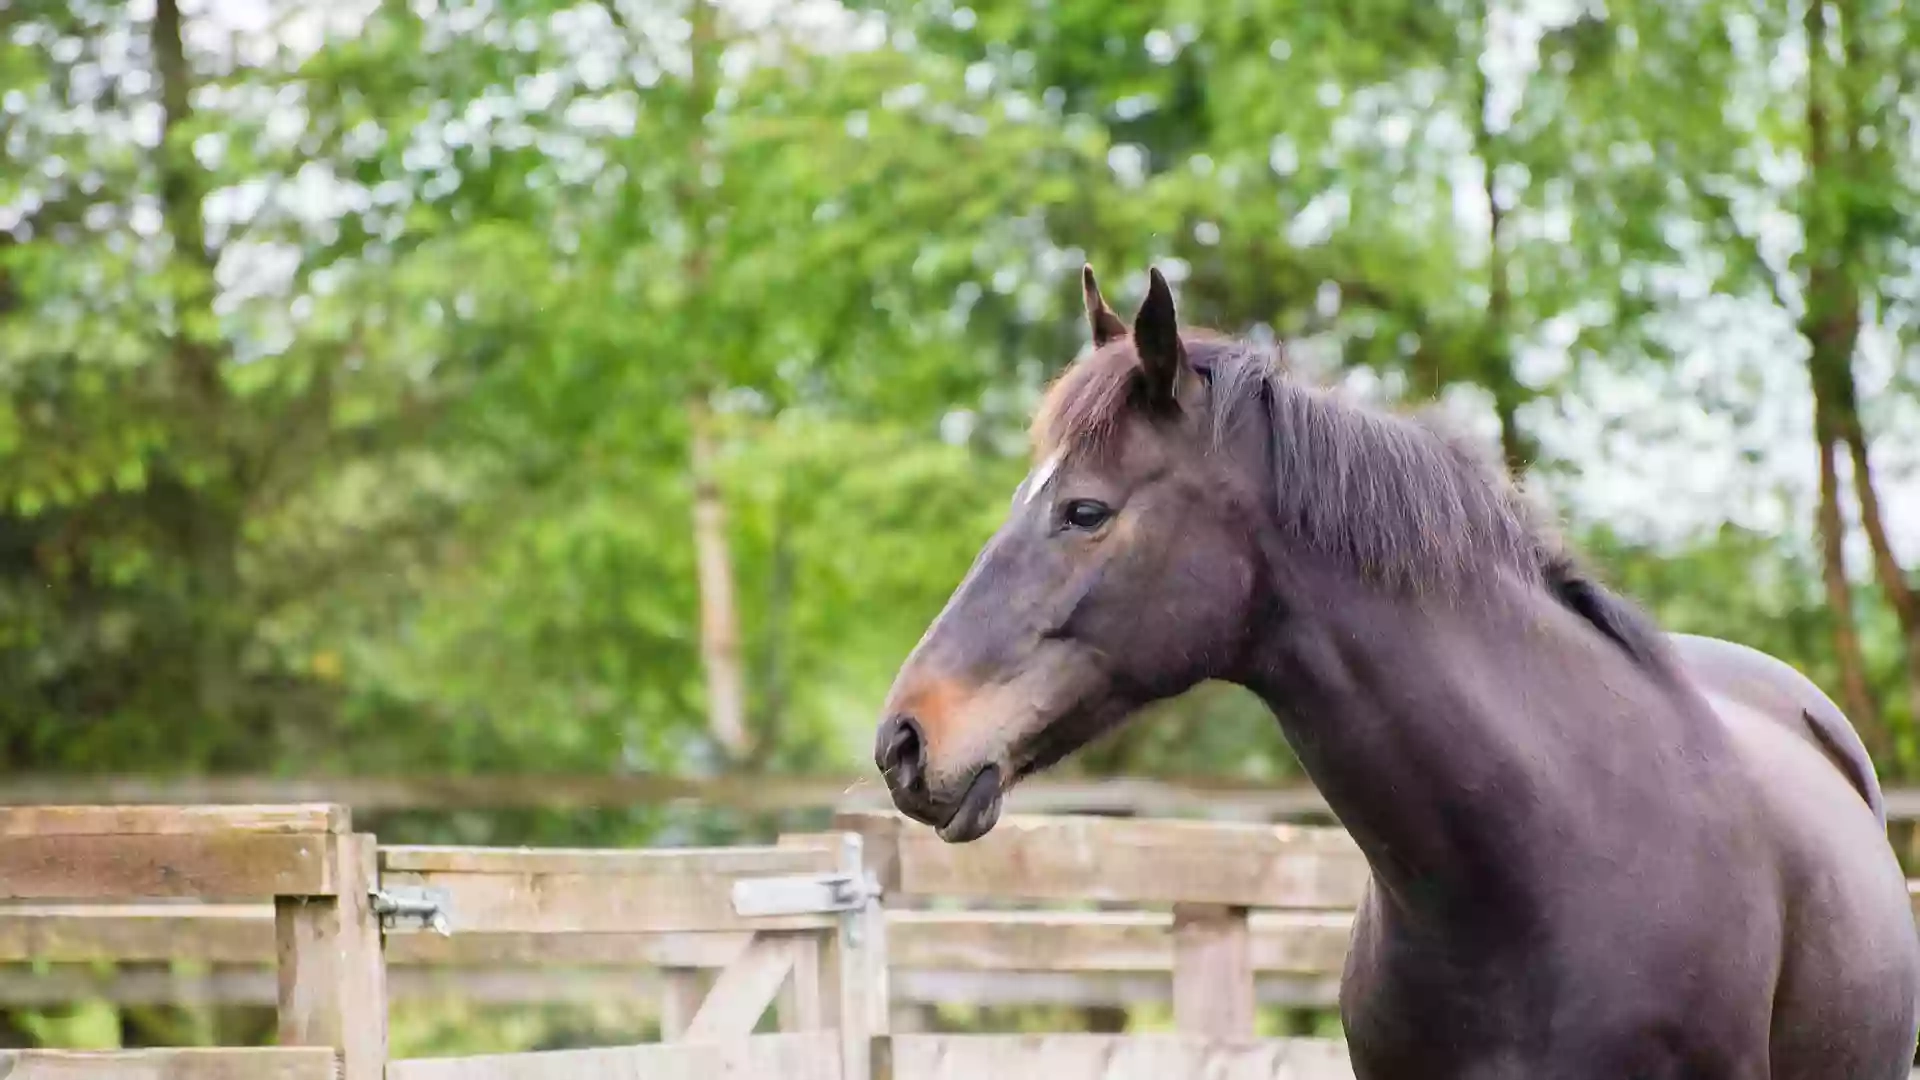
{"points": [[770, 674], [182, 189], [1517, 449], [720, 654], [1831, 326], [719, 615], [1887, 571], [210, 528], [1855, 693], [1832, 329]]}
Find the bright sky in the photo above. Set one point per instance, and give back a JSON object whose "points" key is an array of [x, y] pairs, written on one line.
{"points": [[1689, 478]]}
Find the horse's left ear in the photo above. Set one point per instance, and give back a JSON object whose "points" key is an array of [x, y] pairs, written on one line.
{"points": [[1106, 326], [1156, 337]]}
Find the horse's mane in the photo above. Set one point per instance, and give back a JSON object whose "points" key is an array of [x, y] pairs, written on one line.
{"points": [[1403, 500]]}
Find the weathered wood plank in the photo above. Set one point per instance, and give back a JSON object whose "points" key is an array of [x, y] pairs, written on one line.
{"points": [[215, 933], [1106, 1057], [662, 950], [857, 973], [201, 866], [547, 985], [746, 987], [1301, 943], [761, 1057], [735, 861], [1270, 866], [1294, 942], [564, 892], [260, 986], [172, 820], [801, 1005], [265, 1063], [595, 903], [243, 934], [332, 979], [1213, 989], [1090, 988]]}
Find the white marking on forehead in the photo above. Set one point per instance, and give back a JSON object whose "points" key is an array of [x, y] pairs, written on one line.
{"points": [[1038, 480]]}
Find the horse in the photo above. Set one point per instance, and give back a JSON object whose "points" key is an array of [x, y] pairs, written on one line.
{"points": [[1597, 850]]}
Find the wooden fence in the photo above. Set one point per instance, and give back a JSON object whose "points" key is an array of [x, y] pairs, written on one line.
{"points": [[290, 901], [318, 874]]}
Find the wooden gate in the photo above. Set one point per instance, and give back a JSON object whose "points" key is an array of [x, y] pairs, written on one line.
{"points": [[1208, 916]]}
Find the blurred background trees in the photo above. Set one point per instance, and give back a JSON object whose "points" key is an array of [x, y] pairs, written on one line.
{"points": [[613, 385]]}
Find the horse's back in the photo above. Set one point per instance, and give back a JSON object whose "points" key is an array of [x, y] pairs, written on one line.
{"points": [[1849, 986], [1778, 690]]}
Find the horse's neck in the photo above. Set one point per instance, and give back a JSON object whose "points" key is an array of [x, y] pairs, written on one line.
{"points": [[1386, 706]]}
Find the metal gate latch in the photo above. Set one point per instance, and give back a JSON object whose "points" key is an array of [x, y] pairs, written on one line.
{"points": [[427, 906], [803, 894]]}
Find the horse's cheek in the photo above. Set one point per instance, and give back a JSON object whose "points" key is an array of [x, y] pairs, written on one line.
{"points": [[1206, 603]]}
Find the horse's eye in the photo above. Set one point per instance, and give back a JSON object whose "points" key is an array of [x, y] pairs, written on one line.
{"points": [[1086, 514]]}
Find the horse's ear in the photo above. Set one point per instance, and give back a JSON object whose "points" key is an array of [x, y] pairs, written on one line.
{"points": [[1156, 337], [1105, 325]]}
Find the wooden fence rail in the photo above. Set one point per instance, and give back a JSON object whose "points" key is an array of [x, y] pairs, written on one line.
{"points": [[283, 903], [1107, 1057], [765, 1057], [256, 1063], [934, 957]]}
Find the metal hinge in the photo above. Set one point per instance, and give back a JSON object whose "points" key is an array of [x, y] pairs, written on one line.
{"points": [[431, 908], [803, 894]]}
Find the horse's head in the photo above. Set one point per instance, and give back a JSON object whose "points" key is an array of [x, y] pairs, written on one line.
{"points": [[1123, 574]]}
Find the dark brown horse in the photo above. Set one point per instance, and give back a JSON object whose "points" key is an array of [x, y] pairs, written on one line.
{"points": [[1598, 851]]}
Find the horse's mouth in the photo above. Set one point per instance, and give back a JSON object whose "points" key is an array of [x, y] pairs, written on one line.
{"points": [[978, 811], [1060, 739]]}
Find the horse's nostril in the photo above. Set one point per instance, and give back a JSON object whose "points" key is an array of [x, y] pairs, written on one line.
{"points": [[903, 752], [907, 744]]}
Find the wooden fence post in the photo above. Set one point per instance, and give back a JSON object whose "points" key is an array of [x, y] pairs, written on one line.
{"points": [[855, 991], [854, 968], [332, 976], [1213, 990]]}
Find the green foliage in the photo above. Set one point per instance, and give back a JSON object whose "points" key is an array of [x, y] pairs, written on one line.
{"points": [[344, 407]]}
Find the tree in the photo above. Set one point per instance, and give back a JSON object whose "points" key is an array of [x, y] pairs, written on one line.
{"points": [[1840, 200]]}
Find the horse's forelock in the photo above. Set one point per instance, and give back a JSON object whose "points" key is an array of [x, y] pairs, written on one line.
{"points": [[1089, 401], [1086, 404]]}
